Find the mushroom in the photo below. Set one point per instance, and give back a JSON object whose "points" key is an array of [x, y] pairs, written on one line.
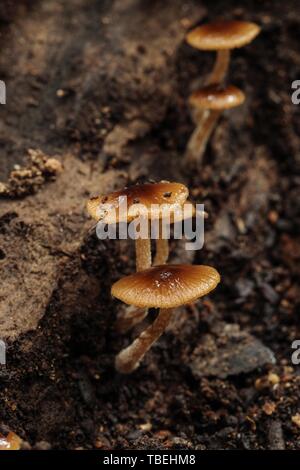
{"points": [[222, 36], [132, 316], [109, 209], [155, 198], [163, 287], [210, 101], [175, 215], [10, 442]]}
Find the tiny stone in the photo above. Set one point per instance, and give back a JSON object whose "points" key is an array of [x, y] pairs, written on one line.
{"points": [[53, 165], [232, 352], [42, 445], [3, 188], [102, 443], [133, 435], [273, 217], [146, 427], [273, 378], [296, 419], [60, 93], [241, 225], [269, 407]]}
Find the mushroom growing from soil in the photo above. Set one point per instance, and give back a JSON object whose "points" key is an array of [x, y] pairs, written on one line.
{"points": [[108, 209], [153, 198], [222, 36], [133, 315], [210, 101], [164, 288]]}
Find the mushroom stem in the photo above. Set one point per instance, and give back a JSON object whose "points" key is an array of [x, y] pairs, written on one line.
{"points": [[215, 77], [162, 251], [162, 246], [198, 140], [143, 253], [220, 68], [128, 359], [143, 261], [129, 318]]}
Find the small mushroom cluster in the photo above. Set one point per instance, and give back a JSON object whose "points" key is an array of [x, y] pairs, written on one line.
{"points": [[208, 103], [155, 284], [160, 286], [142, 201]]}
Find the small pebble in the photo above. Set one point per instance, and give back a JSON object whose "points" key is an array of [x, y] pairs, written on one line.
{"points": [[269, 407], [296, 419], [146, 426]]}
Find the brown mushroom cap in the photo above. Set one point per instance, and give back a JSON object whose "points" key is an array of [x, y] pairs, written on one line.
{"points": [[166, 286], [183, 212], [222, 35], [217, 97], [138, 197]]}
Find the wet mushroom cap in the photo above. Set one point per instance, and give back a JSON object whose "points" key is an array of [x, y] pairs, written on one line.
{"points": [[217, 98], [166, 286], [140, 197], [222, 35], [182, 213]]}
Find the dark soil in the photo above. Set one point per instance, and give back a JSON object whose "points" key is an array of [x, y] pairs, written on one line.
{"points": [[102, 87]]}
